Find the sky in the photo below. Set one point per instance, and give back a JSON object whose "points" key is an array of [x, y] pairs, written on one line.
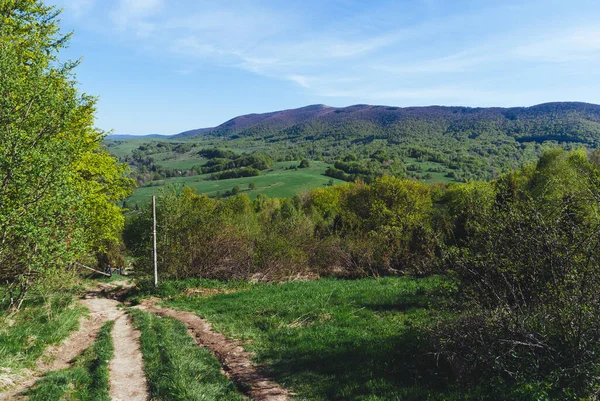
{"points": [[166, 66]]}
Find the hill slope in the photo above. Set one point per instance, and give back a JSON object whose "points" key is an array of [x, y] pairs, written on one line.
{"points": [[562, 121]]}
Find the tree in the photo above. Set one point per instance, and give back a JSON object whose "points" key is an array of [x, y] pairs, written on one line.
{"points": [[304, 164], [58, 188], [252, 186], [528, 270]]}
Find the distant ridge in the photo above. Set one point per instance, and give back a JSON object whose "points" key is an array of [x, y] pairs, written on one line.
{"points": [[568, 121], [117, 137], [280, 119]]}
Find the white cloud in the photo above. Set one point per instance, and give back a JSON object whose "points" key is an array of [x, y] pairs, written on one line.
{"points": [[134, 14], [356, 55], [79, 8], [300, 80], [563, 47]]}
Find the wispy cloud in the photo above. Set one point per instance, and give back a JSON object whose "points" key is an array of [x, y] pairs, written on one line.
{"points": [[384, 52], [300, 80], [79, 8], [579, 44], [133, 15]]}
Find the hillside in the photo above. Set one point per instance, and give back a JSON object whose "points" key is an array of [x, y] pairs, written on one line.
{"points": [[475, 143], [430, 144], [560, 121]]}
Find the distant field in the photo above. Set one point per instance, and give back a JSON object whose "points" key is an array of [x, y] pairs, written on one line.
{"points": [[425, 166], [124, 147], [277, 183]]}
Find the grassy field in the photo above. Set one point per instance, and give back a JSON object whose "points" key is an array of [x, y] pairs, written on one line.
{"points": [[276, 183], [125, 147], [176, 368], [86, 380], [335, 339], [25, 335], [426, 166]]}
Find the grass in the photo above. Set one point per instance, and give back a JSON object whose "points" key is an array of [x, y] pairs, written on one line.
{"points": [[86, 380], [176, 368], [25, 335], [277, 183], [173, 288], [425, 166], [336, 339]]}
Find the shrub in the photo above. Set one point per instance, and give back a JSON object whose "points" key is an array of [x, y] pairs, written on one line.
{"points": [[529, 272]]}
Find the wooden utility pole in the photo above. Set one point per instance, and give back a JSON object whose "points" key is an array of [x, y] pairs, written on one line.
{"points": [[154, 235]]}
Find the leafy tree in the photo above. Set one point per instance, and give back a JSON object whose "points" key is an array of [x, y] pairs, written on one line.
{"points": [[58, 189], [528, 270], [252, 186], [304, 164]]}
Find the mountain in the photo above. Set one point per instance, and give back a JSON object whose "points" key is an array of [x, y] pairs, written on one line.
{"points": [[560, 121], [277, 119]]}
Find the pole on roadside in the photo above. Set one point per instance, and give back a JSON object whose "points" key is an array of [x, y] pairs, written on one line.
{"points": [[154, 235]]}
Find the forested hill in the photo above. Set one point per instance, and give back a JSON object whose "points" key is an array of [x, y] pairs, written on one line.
{"points": [[562, 121]]}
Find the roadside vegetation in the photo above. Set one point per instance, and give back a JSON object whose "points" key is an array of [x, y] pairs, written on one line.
{"points": [[86, 380], [41, 322], [176, 368], [59, 192]]}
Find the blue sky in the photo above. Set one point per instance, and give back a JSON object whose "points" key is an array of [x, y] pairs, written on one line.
{"points": [[165, 66]]}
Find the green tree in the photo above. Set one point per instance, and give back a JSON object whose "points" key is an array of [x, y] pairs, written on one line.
{"points": [[58, 189], [304, 164], [252, 186]]}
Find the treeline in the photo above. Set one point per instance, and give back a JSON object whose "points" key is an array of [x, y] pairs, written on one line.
{"points": [[233, 165], [222, 164], [522, 252], [59, 190], [144, 167], [367, 171]]}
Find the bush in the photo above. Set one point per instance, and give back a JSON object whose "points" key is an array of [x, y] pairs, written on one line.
{"points": [[529, 272], [304, 164]]}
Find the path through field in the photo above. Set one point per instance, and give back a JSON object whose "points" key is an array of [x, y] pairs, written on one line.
{"points": [[236, 361], [127, 381], [127, 378]]}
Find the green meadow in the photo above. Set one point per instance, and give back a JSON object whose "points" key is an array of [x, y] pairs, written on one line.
{"points": [[279, 182]]}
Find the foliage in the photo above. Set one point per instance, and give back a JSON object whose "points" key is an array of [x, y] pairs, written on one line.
{"points": [[56, 183], [346, 231], [277, 182], [529, 271], [468, 143], [236, 173], [177, 369], [523, 250], [304, 164]]}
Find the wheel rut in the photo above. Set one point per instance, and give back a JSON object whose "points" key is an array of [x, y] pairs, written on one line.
{"points": [[236, 362], [127, 378]]}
